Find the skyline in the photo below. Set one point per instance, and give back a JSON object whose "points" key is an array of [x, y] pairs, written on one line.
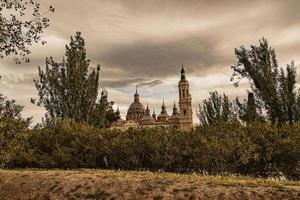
{"points": [[144, 45]]}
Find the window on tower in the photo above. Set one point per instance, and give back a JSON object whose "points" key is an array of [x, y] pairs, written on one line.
{"points": [[184, 112], [183, 93]]}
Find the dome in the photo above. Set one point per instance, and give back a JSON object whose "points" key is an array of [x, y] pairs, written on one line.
{"points": [[147, 120], [175, 115], [163, 116], [136, 110], [136, 106]]}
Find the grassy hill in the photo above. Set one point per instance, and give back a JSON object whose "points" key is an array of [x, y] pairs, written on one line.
{"points": [[106, 184]]}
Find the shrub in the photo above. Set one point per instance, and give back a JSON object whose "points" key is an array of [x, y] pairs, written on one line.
{"points": [[12, 126], [61, 145], [227, 148]]}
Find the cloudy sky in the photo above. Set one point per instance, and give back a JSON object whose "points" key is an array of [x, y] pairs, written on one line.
{"points": [[144, 42]]}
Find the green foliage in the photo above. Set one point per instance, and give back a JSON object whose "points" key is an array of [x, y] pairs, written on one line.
{"points": [[215, 109], [22, 24], [297, 116], [59, 144], [257, 149], [12, 125], [67, 89], [273, 89], [287, 93], [249, 111], [275, 151], [103, 113]]}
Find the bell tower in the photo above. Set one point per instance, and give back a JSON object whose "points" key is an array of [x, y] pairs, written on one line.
{"points": [[185, 102]]}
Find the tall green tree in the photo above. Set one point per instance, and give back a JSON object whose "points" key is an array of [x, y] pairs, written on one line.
{"points": [[215, 109], [249, 111], [287, 93], [273, 90], [297, 117], [68, 89], [103, 113]]}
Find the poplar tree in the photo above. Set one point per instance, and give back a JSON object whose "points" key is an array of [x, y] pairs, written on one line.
{"points": [[103, 113], [297, 117], [249, 111], [68, 89], [217, 108], [272, 88], [287, 93]]}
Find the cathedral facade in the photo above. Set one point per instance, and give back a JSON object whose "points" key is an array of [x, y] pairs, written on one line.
{"points": [[140, 117]]}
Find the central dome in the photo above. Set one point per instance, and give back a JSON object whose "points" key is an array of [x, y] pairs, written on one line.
{"points": [[136, 110], [136, 106]]}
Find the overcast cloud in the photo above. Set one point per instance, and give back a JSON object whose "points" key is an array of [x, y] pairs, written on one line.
{"points": [[144, 42]]}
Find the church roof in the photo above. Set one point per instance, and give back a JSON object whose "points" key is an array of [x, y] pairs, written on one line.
{"points": [[182, 78], [136, 106], [147, 117], [175, 113], [163, 115]]}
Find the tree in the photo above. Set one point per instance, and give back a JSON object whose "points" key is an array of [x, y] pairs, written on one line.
{"points": [[249, 111], [215, 109], [11, 125], [21, 25], [103, 113], [273, 90], [297, 117], [67, 89], [287, 93]]}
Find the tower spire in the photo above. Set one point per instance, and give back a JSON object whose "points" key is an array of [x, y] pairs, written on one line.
{"points": [[147, 110], [154, 115], [182, 73], [136, 95], [175, 111], [163, 107]]}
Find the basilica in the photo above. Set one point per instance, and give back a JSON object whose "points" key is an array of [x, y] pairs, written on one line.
{"points": [[139, 117]]}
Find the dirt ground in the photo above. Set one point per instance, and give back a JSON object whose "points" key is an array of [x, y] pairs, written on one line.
{"points": [[102, 184]]}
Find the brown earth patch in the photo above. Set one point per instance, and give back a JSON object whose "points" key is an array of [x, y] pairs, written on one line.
{"points": [[106, 184]]}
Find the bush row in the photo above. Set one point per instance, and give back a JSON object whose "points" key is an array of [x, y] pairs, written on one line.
{"points": [[256, 149]]}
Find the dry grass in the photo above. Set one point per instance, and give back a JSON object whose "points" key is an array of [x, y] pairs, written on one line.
{"points": [[106, 184]]}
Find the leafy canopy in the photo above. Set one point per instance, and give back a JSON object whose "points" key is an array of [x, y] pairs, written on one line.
{"points": [[274, 90], [67, 89], [21, 25]]}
